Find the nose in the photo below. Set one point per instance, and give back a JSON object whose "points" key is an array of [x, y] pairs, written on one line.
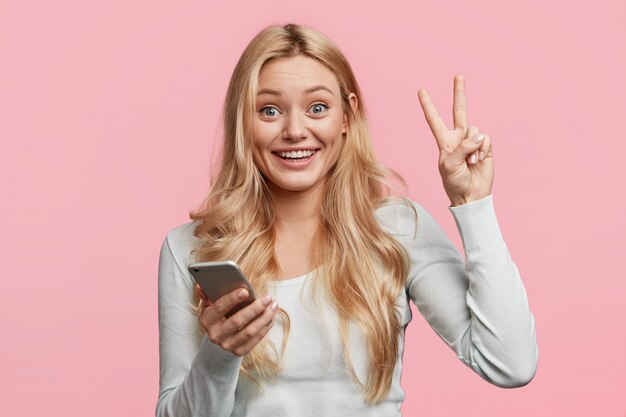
{"points": [[296, 127]]}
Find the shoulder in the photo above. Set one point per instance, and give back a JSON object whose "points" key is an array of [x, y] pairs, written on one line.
{"points": [[180, 241], [404, 217]]}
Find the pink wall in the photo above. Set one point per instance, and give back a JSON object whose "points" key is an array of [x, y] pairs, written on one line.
{"points": [[108, 117]]}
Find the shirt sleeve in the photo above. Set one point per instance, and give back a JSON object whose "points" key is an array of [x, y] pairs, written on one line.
{"points": [[479, 307], [197, 377]]}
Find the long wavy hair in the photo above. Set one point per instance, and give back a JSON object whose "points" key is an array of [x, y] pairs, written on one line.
{"points": [[237, 217]]}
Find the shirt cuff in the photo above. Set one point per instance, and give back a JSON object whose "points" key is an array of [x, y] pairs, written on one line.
{"points": [[223, 365], [477, 222]]}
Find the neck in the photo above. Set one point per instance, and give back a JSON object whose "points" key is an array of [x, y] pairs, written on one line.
{"points": [[297, 207], [297, 220]]}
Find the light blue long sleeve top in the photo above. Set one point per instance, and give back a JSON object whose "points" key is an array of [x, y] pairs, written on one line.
{"points": [[478, 307]]}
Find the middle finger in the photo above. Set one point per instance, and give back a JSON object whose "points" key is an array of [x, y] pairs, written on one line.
{"points": [[459, 106]]}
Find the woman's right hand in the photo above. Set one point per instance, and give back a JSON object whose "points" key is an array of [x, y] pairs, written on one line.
{"points": [[242, 331]]}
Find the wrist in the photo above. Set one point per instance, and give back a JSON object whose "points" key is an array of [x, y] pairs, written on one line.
{"points": [[454, 202], [459, 202]]}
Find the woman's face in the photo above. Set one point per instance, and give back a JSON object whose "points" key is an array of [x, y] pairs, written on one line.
{"points": [[298, 123]]}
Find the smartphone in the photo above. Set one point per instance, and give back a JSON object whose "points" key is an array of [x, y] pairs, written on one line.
{"points": [[219, 278]]}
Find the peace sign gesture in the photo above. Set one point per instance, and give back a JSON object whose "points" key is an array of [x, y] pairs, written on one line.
{"points": [[465, 155]]}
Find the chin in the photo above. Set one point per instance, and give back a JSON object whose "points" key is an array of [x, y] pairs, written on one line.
{"points": [[295, 186]]}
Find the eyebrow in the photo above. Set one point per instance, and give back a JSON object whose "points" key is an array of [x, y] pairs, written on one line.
{"points": [[308, 90]]}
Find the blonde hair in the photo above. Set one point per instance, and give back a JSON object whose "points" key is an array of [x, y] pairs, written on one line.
{"points": [[237, 218]]}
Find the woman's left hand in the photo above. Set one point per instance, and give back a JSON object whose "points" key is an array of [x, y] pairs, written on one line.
{"points": [[466, 166]]}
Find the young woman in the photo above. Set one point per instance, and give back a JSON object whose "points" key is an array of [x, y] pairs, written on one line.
{"points": [[301, 204]]}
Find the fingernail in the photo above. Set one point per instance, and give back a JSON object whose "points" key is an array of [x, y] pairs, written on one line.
{"points": [[274, 306], [242, 294], [481, 155], [478, 137], [266, 300], [473, 159]]}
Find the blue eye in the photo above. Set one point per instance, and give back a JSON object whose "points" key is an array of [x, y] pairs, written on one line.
{"points": [[320, 106], [272, 111]]}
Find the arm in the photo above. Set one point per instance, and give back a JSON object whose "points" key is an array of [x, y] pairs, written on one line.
{"points": [[197, 377], [479, 308]]}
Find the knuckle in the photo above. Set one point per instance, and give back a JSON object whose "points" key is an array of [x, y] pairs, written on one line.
{"points": [[205, 320], [239, 351], [248, 332], [237, 322], [219, 307], [446, 165], [213, 337]]}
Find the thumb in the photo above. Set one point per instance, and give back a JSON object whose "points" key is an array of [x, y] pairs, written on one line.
{"points": [[469, 145]]}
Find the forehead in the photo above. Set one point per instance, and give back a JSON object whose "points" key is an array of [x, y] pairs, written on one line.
{"points": [[296, 73]]}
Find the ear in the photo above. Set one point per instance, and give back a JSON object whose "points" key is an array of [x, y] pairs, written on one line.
{"points": [[353, 104]]}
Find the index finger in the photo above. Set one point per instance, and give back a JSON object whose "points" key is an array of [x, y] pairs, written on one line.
{"points": [[224, 304], [437, 126], [459, 106]]}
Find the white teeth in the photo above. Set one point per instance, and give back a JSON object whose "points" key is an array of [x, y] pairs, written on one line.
{"points": [[296, 154]]}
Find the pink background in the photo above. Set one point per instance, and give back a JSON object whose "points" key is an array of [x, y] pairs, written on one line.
{"points": [[108, 117]]}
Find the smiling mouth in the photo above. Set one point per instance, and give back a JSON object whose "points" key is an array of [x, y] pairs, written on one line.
{"points": [[301, 155]]}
